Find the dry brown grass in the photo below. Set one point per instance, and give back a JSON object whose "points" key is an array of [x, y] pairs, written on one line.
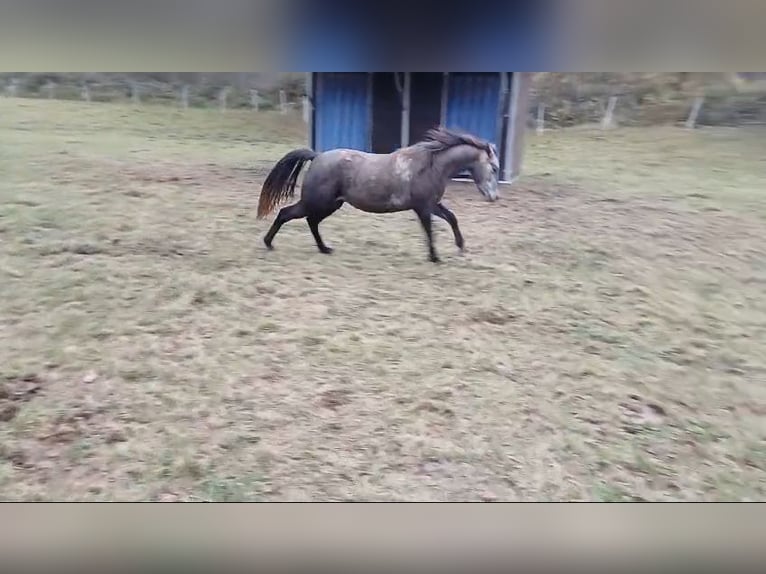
{"points": [[602, 339]]}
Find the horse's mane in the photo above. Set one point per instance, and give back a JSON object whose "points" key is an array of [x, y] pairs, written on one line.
{"points": [[440, 139]]}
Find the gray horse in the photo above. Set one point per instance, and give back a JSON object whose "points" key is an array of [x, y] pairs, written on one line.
{"points": [[413, 177]]}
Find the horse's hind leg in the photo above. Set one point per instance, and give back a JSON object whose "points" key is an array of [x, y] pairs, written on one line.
{"points": [[314, 226], [424, 214], [449, 217], [296, 211], [315, 217]]}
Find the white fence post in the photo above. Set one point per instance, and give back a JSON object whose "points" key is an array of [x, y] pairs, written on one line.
{"points": [[540, 118], [12, 89], [51, 89], [691, 121], [185, 97], [222, 97], [135, 97], [608, 120], [306, 111], [86, 92], [255, 100], [282, 101]]}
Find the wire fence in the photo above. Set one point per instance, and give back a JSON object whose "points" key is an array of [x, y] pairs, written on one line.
{"points": [[550, 107], [144, 92], [610, 109]]}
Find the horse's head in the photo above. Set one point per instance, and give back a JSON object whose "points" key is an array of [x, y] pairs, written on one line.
{"points": [[463, 151], [485, 171]]}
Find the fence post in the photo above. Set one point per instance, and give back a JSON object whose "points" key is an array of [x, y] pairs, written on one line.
{"points": [[691, 121], [306, 110], [134, 95], [12, 89], [86, 92], [51, 88], [608, 120], [282, 101], [255, 100], [540, 118], [222, 97], [185, 97]]}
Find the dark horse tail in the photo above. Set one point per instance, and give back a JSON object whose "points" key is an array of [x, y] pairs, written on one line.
{"points": [[281, 181]]}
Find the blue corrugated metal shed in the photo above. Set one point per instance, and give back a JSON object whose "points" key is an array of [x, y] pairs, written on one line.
{"points": [[490, 105], [343, 104], [473, 104]]}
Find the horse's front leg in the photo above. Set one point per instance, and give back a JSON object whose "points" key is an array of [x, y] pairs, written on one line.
{"points": [[449, 217], [424, 214]]}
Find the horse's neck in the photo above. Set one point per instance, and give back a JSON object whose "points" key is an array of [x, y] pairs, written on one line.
{"points": [[456, 159]]}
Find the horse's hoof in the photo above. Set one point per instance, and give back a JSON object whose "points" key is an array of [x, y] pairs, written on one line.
{"points": [[435, 259], [327, 250], [269, 246]]}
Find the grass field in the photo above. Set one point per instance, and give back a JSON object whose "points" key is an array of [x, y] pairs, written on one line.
{"points": [[603, 338]]}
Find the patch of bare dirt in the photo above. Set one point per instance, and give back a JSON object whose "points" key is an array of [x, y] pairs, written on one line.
{"points": [[335, 398], [15, 392]]}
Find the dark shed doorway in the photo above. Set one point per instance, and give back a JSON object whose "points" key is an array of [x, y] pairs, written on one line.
{"points": [[425, 103], [386, 113]]}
